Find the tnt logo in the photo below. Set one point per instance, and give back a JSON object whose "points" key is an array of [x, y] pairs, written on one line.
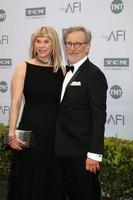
{"points": [[116, 6], [75, 6], [116, 92], [3, 86], [2, 15]]}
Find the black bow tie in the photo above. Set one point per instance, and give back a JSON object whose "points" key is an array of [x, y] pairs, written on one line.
{"points": [[68, 68]]}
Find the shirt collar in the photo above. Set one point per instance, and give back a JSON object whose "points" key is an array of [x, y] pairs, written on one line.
{"points": [[79, 63]]}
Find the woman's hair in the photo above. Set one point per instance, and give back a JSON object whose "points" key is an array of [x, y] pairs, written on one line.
{"points": [[72, 29], [56, 52]]}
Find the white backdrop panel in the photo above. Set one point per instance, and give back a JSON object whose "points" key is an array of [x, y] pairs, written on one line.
{"points": [[111, 48]]}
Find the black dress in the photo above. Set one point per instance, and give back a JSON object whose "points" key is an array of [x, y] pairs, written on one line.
{"points": [[33, 171]]}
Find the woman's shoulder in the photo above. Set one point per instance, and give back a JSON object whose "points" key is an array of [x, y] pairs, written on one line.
{"points": [[20, 68], [21, 64], [24, 63]]}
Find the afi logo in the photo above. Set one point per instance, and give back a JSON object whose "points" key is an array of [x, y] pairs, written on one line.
{"points": [[116, 6], [117, 36], [116, 120], [4, 110], [115, 92], [75, 6], [4, 39]]}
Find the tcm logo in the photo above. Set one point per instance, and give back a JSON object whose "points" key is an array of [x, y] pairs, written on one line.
{"points": [[116, 6], [4, 110], [2, 15], [3, 39], [35, 12], [5, 62], [116, 120], [73, 7], [115, 92], [116, 62], [3, 87]]}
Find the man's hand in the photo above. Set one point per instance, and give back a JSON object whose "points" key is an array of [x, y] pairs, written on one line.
{"points": [[92, 165]]}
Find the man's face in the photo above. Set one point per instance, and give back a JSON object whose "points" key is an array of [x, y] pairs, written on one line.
{"points": [[76, 46]]}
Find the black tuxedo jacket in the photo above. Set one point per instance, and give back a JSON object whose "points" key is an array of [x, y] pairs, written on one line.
{"points": [[82, 113]]}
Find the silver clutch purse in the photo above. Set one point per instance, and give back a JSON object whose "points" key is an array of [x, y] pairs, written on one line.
{"points": [[24, 135]]}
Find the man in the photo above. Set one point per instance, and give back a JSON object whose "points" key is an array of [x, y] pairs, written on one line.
{"points": [[81, 119]]}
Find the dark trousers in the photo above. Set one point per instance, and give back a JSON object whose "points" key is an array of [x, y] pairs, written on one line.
{"points": [[76, 182]]}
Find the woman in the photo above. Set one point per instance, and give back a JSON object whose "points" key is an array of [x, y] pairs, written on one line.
{"points": [[39, 80]]}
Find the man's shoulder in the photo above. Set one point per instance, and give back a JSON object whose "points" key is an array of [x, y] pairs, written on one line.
{"points": [[93, 70], [92, 67]]}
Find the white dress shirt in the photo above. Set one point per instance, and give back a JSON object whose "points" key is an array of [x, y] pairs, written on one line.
{"points": [[69, 75]]}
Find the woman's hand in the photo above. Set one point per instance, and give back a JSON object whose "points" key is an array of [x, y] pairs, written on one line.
{"points": [[16, 143]]}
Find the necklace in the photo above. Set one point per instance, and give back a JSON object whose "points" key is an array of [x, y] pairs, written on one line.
{"points": [[45, 62]]}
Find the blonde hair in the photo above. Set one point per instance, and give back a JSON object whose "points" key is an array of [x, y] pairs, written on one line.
{"points": [[72, 29], [56, 56]]}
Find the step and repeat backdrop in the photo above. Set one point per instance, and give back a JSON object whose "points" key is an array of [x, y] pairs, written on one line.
{"points": [[110, 22]]}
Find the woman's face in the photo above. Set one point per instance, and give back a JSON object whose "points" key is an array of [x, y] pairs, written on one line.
{"points": [[44, 47]]}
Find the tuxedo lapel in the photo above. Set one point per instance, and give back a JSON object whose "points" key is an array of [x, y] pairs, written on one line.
{"points": [[69, 83], [81, 68], [74, 76]]}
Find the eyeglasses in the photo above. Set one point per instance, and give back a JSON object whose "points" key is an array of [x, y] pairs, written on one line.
{"points": [[75, 44]]}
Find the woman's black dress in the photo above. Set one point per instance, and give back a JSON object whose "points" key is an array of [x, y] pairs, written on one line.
{"points": [[33, 171]]}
